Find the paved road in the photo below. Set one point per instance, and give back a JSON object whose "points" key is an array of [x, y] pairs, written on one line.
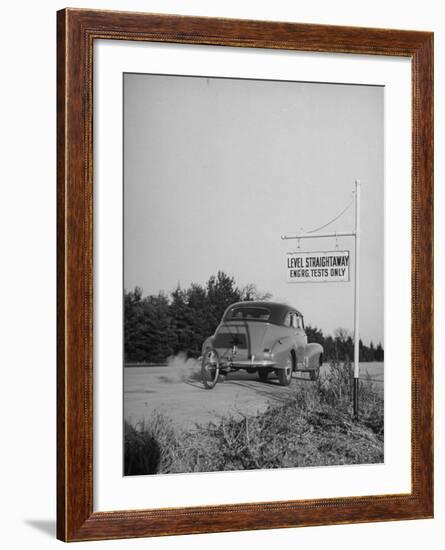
{"points": [[177, 391]]}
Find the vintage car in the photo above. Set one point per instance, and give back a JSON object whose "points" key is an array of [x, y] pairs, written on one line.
{"points": [[262, 337]]}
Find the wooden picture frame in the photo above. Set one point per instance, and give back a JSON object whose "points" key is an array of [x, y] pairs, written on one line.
{"points": [[76, 32]]}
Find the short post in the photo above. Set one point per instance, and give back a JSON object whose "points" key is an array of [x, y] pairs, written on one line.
{"points": [[356, 300]]}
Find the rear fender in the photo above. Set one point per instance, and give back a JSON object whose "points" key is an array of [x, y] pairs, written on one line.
{"points": [[281, 349], [208, 343]]}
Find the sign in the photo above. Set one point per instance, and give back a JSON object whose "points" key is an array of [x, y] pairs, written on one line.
{"points": [[318, 267]]}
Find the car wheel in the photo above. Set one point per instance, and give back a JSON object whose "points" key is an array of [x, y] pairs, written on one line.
{"points": [[210, 368], [314, 374], [285, 375], [263, 374]]}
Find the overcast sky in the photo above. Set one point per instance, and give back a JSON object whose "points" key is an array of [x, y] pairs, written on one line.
{"points": [[216, 170]]}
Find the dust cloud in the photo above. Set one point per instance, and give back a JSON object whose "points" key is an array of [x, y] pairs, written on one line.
{"points": [[182, 368]]}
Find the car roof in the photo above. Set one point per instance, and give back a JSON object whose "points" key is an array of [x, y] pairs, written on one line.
{"points": [[277, 310]]}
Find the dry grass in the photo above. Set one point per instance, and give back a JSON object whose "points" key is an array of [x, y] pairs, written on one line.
{"points": [[313, 428]]}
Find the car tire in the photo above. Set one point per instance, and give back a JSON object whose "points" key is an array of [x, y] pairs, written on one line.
{"points": [[263, 374], [314, 374], [210, 369], [285, 375]]}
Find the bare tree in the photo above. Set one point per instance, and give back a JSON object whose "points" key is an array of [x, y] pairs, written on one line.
{"points": [[250, 293], [342, 334]]}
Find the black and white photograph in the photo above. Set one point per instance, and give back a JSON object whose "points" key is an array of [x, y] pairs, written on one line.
{"points": [[253, 258], [222, 275]]}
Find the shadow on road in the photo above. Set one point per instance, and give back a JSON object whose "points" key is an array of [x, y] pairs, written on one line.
{"points": [[270, 390], [199, 385]]}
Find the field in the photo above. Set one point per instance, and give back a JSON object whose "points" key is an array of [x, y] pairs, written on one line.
{"points": [[173, 425]]}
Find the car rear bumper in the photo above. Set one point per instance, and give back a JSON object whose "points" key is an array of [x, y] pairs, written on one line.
{"points": [[249, 364]]}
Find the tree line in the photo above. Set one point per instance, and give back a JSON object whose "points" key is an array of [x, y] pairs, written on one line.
{"points": [[340, 347], [159, 326]]}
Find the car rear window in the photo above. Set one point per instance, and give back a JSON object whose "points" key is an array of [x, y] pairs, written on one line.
{"points": [[258, 313]]}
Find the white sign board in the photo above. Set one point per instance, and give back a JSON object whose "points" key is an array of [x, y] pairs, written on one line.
{"points": [[318, 267]]}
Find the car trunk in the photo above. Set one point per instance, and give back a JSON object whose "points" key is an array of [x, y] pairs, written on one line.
{"points": [[245, 338]]}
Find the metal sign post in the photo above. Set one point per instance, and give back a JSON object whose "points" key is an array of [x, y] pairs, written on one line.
{"points": [[357, 298], [356, 234]]}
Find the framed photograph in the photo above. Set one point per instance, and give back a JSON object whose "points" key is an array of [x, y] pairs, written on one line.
{"points": [[245, 231]]}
